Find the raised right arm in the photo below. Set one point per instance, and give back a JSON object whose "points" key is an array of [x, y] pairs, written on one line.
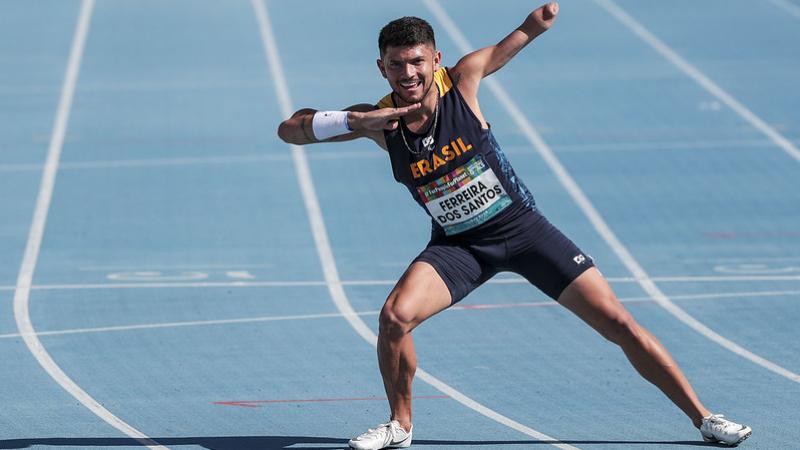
{"points": [[365, 120]]}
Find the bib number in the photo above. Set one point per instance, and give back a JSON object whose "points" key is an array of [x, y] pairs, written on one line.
{"points": [[466, 197]]}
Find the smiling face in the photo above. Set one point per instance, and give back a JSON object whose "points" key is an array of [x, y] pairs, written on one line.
{"points": [[409, 70]]}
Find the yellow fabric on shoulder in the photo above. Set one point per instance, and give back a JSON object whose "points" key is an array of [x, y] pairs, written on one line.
{"points": [[386, 102], [443, 81], [440, 77]]}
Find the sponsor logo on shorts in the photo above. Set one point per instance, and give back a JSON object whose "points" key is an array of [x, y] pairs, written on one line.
{"points": [[579, 259]]}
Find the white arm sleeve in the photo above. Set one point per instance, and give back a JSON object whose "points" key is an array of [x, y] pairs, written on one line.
{"points": [[327, 124]]}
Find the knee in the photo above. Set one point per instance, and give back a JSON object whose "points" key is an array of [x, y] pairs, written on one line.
{"points": [[622, 329], [395, 320]]}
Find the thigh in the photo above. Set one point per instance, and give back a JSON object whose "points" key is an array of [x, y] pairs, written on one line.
{"points": [[545, 256], [457, 267], [591, 298], [419, 294]]}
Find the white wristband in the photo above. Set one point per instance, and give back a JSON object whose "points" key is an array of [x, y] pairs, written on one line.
{"points": [[327, 124]]}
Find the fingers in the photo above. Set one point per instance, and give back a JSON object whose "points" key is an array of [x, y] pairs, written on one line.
{"points": [[550, 11], [400, 112]]}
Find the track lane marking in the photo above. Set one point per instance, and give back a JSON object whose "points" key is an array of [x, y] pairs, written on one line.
{"points": [[311, 283], [258, 403], [700, 78], [458, 307], [616, 146], [36, 233], [787, 6]]}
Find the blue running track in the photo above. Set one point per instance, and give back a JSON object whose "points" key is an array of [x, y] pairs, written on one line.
{"points": [[179, 284]]}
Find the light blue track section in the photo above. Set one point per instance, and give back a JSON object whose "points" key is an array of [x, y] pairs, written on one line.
{"points": [[739, 44], [172, 176], [34, 44]]}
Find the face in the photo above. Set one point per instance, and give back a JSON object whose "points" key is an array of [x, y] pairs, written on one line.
{"points": [[409, 70]]}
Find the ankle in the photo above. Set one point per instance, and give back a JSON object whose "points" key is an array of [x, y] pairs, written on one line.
{"points": [[697, 420], [405, 423]]}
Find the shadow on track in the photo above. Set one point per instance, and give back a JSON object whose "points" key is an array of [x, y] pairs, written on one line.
{"points": [[297, 442]]}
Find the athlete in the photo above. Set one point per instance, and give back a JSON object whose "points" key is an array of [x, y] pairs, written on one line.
{"points": [[484, 219]]}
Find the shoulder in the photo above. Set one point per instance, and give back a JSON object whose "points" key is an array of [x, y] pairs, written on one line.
{"points": [[444, 79], [467, 88], [386, 102]]}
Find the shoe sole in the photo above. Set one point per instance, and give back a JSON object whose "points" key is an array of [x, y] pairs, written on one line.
{"points": [[400, 445], [741, 439], [403, 444]]}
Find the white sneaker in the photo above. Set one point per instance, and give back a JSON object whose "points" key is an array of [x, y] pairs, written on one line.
{"points": [[386, 435], [717, 429]]}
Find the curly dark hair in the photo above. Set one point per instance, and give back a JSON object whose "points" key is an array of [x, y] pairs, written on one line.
{"points": [[405, 32]]}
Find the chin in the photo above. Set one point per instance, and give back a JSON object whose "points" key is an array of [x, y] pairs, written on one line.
{"points": [[413, 99]]}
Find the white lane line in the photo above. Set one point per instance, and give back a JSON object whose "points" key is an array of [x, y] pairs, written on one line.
{"points": [[618, 146], [594, 216], [250, 284], [153, 162], [326, 253], [149, 267], [134, 86], [641, 146], [787, 6], [459, 307], [176, 284], [194, 323], [699, 77], [22, 292], [185, 161]]}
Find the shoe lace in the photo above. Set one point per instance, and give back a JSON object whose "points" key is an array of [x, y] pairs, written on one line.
{"points": [[718, 422], [378, 431]]}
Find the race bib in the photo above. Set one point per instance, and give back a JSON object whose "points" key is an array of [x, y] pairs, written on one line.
{"points": [[465, 197]]}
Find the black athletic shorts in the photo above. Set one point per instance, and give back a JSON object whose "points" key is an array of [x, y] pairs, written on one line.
{"points": [[529, 246]]}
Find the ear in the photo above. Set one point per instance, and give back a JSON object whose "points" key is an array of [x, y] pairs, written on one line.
{"points": [[437, 59], [381, 67]]}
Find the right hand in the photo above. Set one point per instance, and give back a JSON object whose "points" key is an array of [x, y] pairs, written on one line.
{"points": [[379, 119], [546, 15]]}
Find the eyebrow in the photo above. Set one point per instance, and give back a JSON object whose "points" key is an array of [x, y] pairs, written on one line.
{"points": [[414, 59]]}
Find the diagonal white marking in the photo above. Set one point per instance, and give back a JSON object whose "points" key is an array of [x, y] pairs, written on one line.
{"points": [[594, 216], [25, 277], [787, 6], [326, 253], [699, 77]]}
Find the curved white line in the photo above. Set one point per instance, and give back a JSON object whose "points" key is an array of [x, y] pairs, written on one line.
{"points": [[594, 216], [25, 277], [699, 77], [326, 253]]}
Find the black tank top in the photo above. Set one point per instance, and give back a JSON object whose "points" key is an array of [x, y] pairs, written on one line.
{"points": [[458, 174]]}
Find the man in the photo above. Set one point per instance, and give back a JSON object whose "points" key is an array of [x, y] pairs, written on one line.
{"points": [[484, 218]]}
